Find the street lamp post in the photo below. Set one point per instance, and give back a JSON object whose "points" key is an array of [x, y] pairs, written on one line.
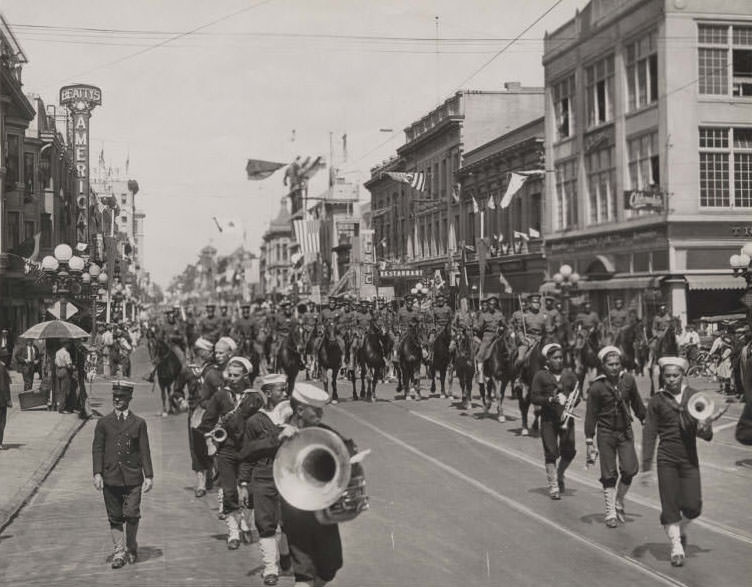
{"points": [[741, 266], [566, 281]]}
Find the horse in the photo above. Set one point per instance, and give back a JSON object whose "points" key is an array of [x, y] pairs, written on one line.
{"points": [[288, 360], [533, 362], [464, 364], [329, 358], [499, 369], [263, 344], [170, 377], [410, 354], [372, 364], [665, 346], [247, 349], [633, 343], [440, 358], [587, 346]]}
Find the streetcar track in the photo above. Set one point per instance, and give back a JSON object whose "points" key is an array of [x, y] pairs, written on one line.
{"points": [[517, 506]]}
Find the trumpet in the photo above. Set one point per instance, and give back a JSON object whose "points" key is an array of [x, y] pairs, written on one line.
{"points": [[572, 399], [313, 471], [701, 408]]}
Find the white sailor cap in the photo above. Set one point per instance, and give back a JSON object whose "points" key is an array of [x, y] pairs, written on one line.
{"points": [[549, 348], [675, 362], [226, 343], [241, 361], [607, 350], [310, 395], [273, 380], [203, 344]]}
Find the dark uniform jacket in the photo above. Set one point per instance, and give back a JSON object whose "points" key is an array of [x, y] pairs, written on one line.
{"points": [[535, 322], [218, 412], [588, 321], [407, 317], [608, 405], [206, 383], [260, 444], [120, 450], [676, 428], [544, 389], [618, 318], [489, 322], [5, 397], [441, 316], [210, 328]]}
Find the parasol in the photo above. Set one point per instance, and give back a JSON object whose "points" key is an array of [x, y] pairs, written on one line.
{"points": [[55, 329]]}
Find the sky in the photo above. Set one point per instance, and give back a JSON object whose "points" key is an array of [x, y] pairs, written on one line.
{"points": [[192, 89]]}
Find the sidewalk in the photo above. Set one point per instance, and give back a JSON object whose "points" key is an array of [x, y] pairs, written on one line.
{"points": [[34, 440]]}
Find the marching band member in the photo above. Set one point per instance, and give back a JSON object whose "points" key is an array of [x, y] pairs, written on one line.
{"points": [[611, 394], [260, 445], [316, 548], [550, 389], [678, 466], [207, 381], [228, 409]]}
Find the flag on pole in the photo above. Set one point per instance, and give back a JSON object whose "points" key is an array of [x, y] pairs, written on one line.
{"points": [[452, 238], [521, 236], [415, 179], [258, 169], [533, 233], [476, 209], [516, 180], [307, 235], [491, 205], [456, 189]]}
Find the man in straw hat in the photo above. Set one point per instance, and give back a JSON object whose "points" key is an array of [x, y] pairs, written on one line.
{"points": [[122, 469], [611, 394]]}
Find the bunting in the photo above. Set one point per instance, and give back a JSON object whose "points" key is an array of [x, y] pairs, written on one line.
{"points": [[258, 169], [491, 205], [516, 180], [533, 233], [307, 235], [476, 208], [416, 179]]}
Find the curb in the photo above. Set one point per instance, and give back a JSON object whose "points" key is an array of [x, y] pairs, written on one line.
{"points": [[29, 489]]}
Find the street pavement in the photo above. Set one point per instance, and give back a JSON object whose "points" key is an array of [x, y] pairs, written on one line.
{"points": [[457, 498]]}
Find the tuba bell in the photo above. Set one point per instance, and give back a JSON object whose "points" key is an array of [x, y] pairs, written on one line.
{"points": [[700, 407], [313, 471]]}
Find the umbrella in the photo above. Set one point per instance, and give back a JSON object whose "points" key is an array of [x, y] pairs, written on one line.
{"points": [[55, 329]]}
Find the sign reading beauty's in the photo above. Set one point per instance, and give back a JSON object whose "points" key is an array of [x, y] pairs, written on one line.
{"points": [[80, 100]]}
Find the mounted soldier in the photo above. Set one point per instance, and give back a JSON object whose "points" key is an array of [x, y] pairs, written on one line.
{"points": [[487, 329], [331, 315], [533, 328], [618, 318], [440, 317], [210, 325], [361, 323]]}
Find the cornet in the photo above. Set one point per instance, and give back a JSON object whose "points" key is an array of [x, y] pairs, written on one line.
{"points": [[572, 400]]}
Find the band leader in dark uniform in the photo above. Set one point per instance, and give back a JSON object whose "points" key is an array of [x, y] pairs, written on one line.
{"points": [[122, 469]]}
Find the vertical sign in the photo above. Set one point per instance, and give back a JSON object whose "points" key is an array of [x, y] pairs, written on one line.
{"points": [[80, 100]]}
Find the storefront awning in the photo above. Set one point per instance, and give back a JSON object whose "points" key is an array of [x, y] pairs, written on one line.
{"points": [[715, 282], [618, 283]]}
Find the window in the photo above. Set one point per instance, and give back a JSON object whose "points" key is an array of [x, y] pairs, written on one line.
{"points": [[28, 230], [563, 95], [29, 172], [642, 72], [429, 181], [535, 211], [11, 161], [644, 165], [14, 236], [726, 167], [123, 199], [600, 91], [566, 195], [720, 45], [601, 185]]}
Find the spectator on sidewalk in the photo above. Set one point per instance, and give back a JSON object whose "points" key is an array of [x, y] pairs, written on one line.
{"points": [[27, 358], [107, 342], [64, 376], [5, 398]]}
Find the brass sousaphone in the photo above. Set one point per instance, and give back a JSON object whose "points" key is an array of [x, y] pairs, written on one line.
{"points": [[313, 471]]}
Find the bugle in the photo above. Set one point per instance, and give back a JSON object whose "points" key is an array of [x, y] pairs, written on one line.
{"points": [[572, 399]]}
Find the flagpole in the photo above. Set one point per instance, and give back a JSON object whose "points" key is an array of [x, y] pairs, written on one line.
{"points": [[477, 252]]}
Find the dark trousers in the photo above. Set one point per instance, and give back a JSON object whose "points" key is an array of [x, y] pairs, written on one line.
{"points": [[3, 420], [558, 441], [227, 464], [266, 506], [679, 488], [123, 505], [27, 370], [200, 459], [316, 549], [63, 388], [617, 447]]}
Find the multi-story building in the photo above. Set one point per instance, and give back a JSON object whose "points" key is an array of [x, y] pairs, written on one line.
{"points": [[512, 237], [275, 264], [649, 134], [413, 227]]}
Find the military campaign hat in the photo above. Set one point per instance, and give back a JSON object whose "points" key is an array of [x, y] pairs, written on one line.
{"points": [[533, 298], [210, 305], [245, 305]]}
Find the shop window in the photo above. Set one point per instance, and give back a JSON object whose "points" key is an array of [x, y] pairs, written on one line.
{"points": [[11, 161], [641, 262], [621, 263], [660, 260]]}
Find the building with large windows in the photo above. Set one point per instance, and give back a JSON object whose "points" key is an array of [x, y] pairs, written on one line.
{"points": [[649, 147]]}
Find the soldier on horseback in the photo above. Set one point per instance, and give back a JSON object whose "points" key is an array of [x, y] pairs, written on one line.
{"points": [[533, 327], [407, 316], [618, 317], [661, 322], [554, 318], [440, 317], [361, 324], [587, 318], [487, 328], [331, 315], [285, 325], [244, 330], [172, 333], [210, 326], [518, 316]]}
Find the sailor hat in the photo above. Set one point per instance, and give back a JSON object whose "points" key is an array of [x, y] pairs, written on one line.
{"points": [[606, 351], [310, 395], [675, 362], [549, 348]]}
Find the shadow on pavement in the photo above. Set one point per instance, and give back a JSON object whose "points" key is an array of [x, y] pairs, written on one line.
{"points": [[11, 445], [661, 551]]}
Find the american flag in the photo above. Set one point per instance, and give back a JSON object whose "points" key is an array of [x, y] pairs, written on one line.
{"points": [[414, 179], [307, 235]]}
